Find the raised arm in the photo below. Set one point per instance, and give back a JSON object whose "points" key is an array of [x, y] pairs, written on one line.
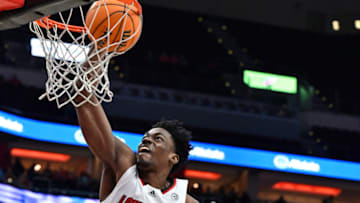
{"points": [[98, 134]]}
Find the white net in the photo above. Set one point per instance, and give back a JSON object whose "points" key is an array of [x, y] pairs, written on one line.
{"points": [[77, 67]]}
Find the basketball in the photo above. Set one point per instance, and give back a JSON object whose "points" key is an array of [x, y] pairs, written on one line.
{"points": [[121, 18]]}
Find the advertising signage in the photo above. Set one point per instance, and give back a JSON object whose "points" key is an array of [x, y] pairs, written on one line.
{"points": [[203, 152], [272, 82]]}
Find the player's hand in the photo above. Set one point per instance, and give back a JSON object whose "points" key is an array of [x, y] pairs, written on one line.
{"points": [[95, 57], [93, 71]]}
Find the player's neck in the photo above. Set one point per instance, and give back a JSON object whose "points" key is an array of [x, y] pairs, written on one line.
{"points": [[156, 179]]}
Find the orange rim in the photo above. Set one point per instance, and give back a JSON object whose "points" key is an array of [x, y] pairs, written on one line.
{"points": [[47, 23]]}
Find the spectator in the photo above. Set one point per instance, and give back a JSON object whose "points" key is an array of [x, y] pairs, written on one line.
{"points": [[47, 172], [83, 181], [10, 177], [31, 174], [2, 176], [18, 168], [281, 200], [5, 157], [62, 177], [231, 196], [221, 191], [245, 198], [174, 60], [328, 200], [164, 58], [207, 191], [72, 179]]}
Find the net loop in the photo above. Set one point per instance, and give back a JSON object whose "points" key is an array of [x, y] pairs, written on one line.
{"points": [[77, 68]]}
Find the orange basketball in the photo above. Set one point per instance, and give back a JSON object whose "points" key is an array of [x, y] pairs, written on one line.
{"points": [[104, 15]]}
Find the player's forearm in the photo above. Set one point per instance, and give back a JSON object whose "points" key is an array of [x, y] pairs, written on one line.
{"points": [[97, 131], [98, 135]]}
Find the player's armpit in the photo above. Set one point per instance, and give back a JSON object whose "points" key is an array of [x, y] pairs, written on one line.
{"points": [[108, 182], [190, 199]]}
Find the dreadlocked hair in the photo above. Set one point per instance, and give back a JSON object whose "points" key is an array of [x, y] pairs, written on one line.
{"points": [[181, 138]]}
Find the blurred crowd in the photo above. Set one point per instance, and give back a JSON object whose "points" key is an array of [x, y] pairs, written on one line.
{"points": [[41, 178], [49, 181], [65, 182], [219, 196]]}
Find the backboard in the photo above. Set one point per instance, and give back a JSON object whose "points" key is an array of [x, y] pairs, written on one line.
{"points": [[14, 13]]}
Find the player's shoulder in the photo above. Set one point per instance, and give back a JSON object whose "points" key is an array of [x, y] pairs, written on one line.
{"points": [[181, 185], [128, 174], [181, 181]]}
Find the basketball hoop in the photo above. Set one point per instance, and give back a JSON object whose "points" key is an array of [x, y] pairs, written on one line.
{"points": [[77, 58], [47, 23]]}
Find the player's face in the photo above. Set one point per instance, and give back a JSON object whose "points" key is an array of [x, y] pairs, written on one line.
{"points": [[156, 150]]}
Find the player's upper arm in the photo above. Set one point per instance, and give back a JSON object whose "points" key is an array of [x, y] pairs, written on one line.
{"points": [[190, 199], [98, 135]]}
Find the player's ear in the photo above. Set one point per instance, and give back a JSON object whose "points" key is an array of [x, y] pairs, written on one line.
{"points": [[174, 158]]}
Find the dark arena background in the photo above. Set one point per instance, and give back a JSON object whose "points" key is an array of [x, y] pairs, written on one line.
{"points": [[269, 89]]}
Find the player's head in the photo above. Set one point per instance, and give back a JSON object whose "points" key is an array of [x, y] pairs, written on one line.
{"points": [[166, 145]]}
